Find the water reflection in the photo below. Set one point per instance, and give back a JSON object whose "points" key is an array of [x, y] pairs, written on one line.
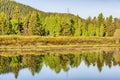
{"points": [[57, 62]]}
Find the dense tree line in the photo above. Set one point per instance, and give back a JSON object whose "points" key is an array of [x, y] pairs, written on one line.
{"points": [[33, 22]]}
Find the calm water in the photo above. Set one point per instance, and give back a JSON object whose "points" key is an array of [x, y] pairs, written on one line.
{"points": [[102, 65]]}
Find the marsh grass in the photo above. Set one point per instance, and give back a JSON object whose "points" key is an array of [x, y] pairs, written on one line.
{"points": [[37, 42]]}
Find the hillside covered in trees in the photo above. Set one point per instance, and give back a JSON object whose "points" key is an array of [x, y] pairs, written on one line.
{"points": [[19, 19]]}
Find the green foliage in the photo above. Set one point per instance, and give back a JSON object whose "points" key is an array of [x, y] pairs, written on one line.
{"points": [[15, 22], [14, 27], [8, 7], [77, 26], [117, 35], [102, 30], [26, 28], [32, 26], [91, 30], [16, 15], [18, 19], [110, 27], [3, 24]]}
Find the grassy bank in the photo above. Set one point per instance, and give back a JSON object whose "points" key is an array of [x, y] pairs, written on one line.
{"points": [[31, 42]]}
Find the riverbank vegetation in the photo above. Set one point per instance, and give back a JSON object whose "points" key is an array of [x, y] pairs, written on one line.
{"points": [[37, 42]]}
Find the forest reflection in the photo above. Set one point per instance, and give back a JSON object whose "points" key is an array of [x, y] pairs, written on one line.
{"points": [[57, 61]]}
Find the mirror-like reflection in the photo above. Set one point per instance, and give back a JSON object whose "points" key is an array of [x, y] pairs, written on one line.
{"points": [[57, 62]]}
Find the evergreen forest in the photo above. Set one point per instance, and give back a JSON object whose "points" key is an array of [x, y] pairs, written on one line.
{"points": [[19, 19]]}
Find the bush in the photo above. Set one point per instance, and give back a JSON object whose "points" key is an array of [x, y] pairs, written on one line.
{"points": [[117, 35]]}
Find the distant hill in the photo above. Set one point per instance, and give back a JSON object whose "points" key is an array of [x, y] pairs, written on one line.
{"points": [[8, 7]]}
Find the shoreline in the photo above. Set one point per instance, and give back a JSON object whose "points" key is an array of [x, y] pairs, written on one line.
{"points": [[41, 43], [58, 48]]}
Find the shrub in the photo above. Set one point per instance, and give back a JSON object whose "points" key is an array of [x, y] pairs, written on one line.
{"points": [[117, 35]]}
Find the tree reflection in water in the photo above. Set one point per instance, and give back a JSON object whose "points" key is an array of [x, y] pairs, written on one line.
{"points": [[57, 61]]}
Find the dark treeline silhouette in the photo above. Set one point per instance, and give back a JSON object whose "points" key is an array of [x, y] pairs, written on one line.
{"points": [[57, 61], [18, 19]]}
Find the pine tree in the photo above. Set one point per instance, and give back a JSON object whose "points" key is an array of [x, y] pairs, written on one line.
{"points": [[52, 25], [17, 15], [110, 26], [100, 21], [3, 24], [102, 30], [97, 32], [86, 24], [57, 24], [67, 27], [34, 24], [94, 21], [38, 26], [77, 26], [26, 30], [15, 22], [83, 30], [41, 29], [49, 26], [91, 30]]}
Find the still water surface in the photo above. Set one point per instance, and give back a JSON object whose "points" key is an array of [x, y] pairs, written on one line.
{"points": [[102, 65]]}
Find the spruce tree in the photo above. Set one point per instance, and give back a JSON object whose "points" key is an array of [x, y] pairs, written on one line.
{"points": [[26, 30], [3, 24], [15, 22], [67, 26], [77, 26], [110, 26], [100, 21], [102, 30]]}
